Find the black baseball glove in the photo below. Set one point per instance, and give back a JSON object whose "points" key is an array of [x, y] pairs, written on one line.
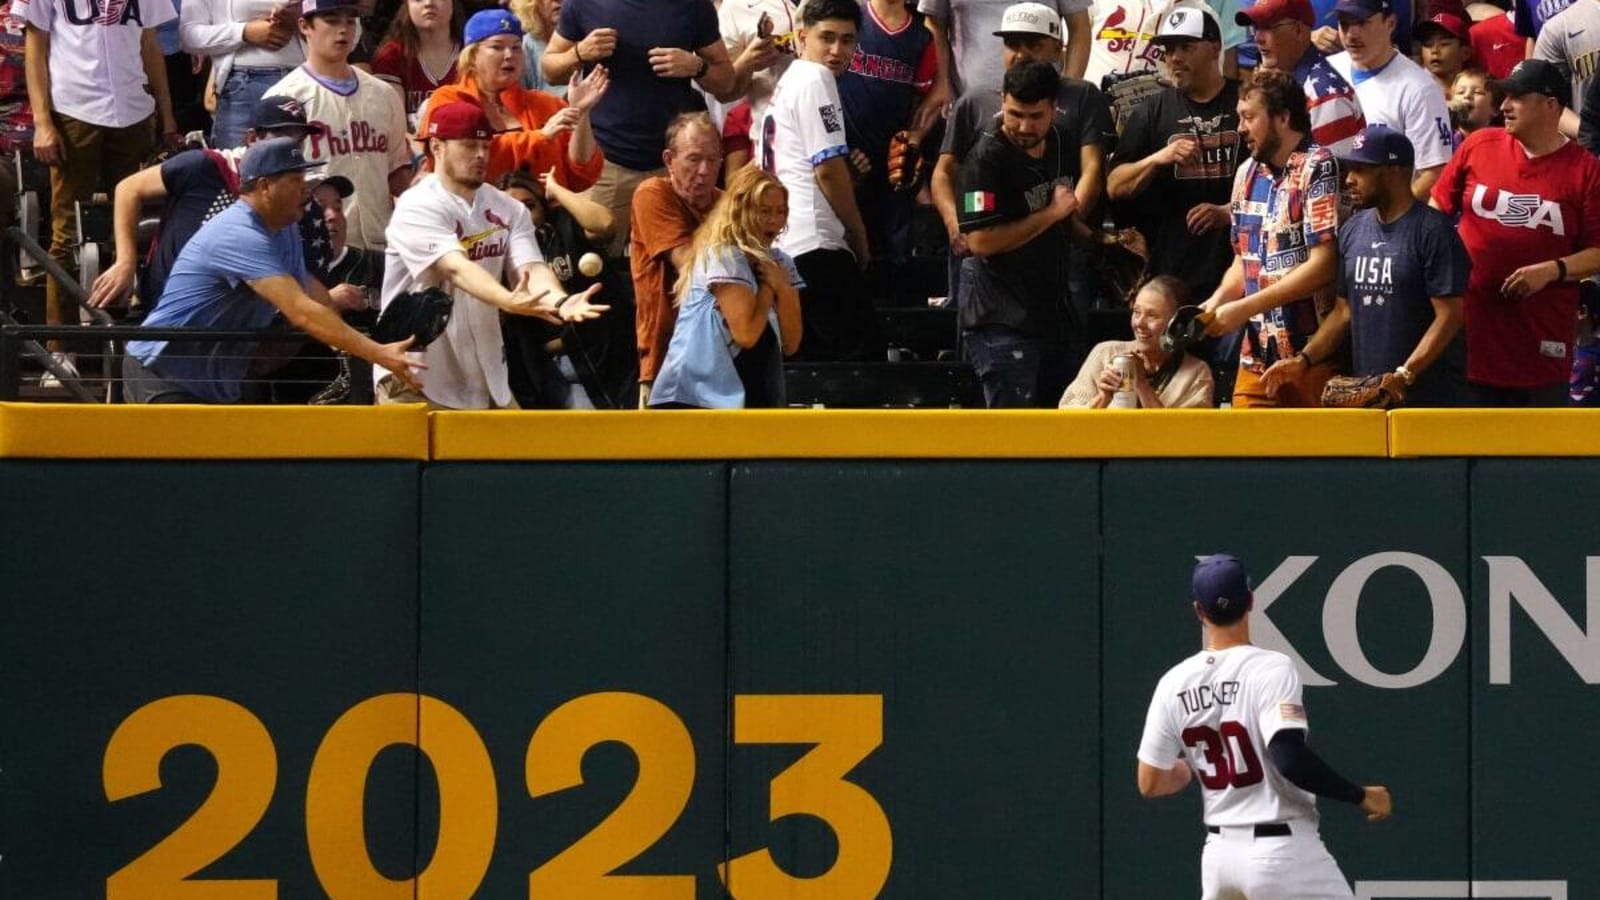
{"points": [[415, 314]]}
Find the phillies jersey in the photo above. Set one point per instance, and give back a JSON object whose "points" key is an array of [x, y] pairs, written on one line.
{"points": [[1219, 709], [804, 128], [1514, 212], [467, 363], [360, 134]]}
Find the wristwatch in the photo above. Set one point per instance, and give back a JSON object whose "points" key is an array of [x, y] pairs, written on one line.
{"points": [[705, 65], [1406, 375]]}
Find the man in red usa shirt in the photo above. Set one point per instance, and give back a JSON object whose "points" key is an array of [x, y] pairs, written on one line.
{"points": [[1529, 202]]}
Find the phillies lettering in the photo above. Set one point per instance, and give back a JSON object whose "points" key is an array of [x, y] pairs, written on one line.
{"points": [[1529, 211], [112, 12], [361, 138]]}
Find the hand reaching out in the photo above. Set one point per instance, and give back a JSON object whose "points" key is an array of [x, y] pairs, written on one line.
{"points": [[585, 90]]}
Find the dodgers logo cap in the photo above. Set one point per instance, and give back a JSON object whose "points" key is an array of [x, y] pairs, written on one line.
{"points": [[273, 156], [1380, 145], [1188, 23], [488, 23], [1220, 585], [1030, 18]]}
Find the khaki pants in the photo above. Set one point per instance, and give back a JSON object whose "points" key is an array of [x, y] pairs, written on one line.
{"points": [[1302, 392], [614, 190], [93, 157]]}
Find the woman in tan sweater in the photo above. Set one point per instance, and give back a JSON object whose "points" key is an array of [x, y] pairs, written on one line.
{"points": [[1161, 380]]}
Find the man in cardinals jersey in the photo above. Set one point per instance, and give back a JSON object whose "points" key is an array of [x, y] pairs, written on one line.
{"points": [[1529, 202], [802, 141], [455, 231], [360, 122], [1232, 714]]}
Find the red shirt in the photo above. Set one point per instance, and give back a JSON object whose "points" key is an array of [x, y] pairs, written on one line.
{"points": [[1517, 212], [1497, 46], [390, 64]]}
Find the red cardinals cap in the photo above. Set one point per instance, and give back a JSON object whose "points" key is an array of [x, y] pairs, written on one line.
{"points": [[458, 121], [1270, 12]]}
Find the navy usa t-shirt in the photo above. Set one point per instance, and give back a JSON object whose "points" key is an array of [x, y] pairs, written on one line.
{"points": [[630, 124], [1389, 274]]}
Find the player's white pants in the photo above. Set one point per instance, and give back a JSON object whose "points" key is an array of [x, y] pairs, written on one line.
{"points": [[1237, 865]]}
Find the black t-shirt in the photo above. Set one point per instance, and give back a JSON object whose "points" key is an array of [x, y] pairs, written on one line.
{"points": [[1082, 117], [1024, 289], [1160, 211]]}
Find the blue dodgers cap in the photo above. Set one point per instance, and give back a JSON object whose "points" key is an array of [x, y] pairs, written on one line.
{"points": [[274, 156], [488, 23], [1362, 9], [1220, 586], [1380, 145]]}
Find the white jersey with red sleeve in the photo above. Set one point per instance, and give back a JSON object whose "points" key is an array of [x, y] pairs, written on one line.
{"points": [[804, 128], [1218, 710], [467, 363], [361, 134]]}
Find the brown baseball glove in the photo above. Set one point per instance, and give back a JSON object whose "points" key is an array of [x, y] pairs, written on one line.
{"points": [[906, 162], [1384, 391]]}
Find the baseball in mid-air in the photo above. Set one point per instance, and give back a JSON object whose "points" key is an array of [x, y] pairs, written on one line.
{"points": [[589, 264]]}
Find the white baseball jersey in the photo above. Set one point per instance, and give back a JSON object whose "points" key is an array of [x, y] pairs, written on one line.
{"points": [[1220, 709], [1403, 96], [361, 134], [466, 364], [804, 128]]}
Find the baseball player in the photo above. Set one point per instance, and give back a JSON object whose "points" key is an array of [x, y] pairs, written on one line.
{"points": [[359, 122], [1233, 716]]}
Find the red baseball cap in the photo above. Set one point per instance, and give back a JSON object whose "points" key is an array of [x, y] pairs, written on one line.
{"points": [[1449, 24], [1270, 12], [458, 121]]}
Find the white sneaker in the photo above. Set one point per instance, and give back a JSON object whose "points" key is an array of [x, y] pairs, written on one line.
{"points": [[68, 361]]}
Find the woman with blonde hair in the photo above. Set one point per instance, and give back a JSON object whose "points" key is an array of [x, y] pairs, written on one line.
{"points": [[418, 55], [538, 19], [1160, 379], [739, 304], [534, 131]]}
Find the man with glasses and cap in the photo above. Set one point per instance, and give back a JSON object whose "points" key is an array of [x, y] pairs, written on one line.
{"points": [[1393, 90], [1402, 273], [1529, 206], [1282, 31], [359, 121], [240, 271], [1233, 716]]}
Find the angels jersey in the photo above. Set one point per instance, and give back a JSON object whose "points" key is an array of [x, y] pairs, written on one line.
{"points": [[361, 134], [466, 364], [1219, 709], [804, 128]]}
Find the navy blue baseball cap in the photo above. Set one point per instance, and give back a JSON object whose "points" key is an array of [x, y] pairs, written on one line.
{"points": [[1220, 586], [273, 156], [1380, 145], [279, 114], [488, 23], [309, 8], [1362, 9]]}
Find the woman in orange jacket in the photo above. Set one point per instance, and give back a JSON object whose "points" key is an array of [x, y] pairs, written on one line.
{"points": [[534, 131]]}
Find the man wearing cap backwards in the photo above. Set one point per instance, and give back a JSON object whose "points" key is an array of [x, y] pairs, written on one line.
{"points": [[1393, 90], [453, 230], [238, 272], [1285, 213], [1283, 36], [1233, 715], [1529, 205], [1028, 32], [359, 121], [1402, 273], [196, 185], [1446, 48]]}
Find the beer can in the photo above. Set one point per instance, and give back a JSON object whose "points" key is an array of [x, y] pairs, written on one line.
{"points": [[1125, 397]]}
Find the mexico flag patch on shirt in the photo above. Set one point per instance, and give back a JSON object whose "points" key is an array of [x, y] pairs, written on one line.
{"points": [[978, 202]]}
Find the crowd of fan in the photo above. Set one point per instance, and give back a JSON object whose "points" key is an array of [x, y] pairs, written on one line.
{"points": [[1354, 223]]}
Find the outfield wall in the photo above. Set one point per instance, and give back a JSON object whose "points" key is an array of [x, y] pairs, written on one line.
{"points": [[903, 655]]}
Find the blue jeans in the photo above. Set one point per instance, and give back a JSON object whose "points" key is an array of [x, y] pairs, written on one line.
{"points": [[236, 103], [1017, 371]]}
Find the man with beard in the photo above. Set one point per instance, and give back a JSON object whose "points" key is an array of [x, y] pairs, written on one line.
{"points": [[1285, 213], [1402, 272], [1016, 202], [452, 228], [1529, 202], [1172, 174]]}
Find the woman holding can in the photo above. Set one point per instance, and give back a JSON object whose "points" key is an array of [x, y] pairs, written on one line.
{"points": [[1138, 373]]}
